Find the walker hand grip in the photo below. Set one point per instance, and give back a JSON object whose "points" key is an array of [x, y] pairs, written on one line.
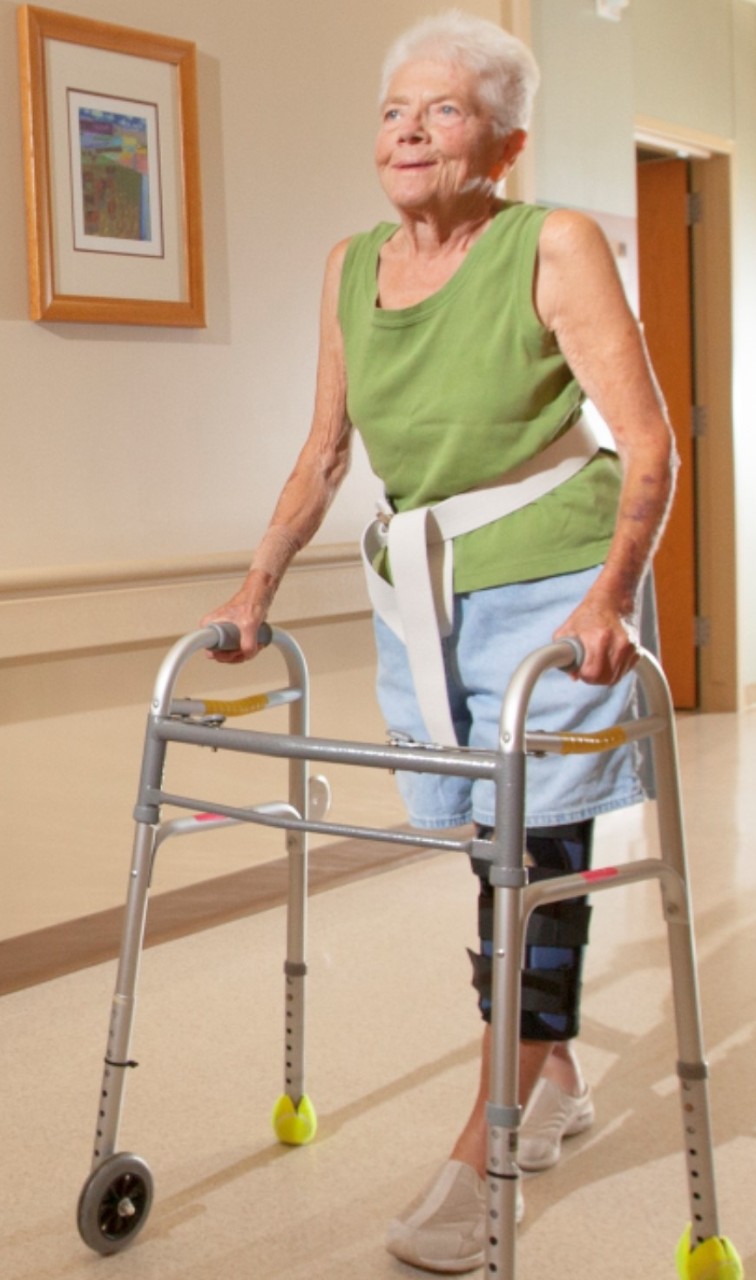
{"points": [[229, 638], [578, 650]]}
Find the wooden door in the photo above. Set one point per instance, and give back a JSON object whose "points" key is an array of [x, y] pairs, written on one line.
{"points": [[664, 266]]}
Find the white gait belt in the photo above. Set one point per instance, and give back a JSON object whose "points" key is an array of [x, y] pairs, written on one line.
{"points": [[418, 606]]}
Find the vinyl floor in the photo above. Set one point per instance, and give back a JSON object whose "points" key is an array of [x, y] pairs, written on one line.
{"points": [[392, 1055]]}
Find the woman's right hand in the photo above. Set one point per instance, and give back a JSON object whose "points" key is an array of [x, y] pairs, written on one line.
{"points": [[247, 610]]}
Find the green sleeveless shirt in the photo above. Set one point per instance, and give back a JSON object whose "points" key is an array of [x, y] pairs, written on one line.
{"points": [[451, 393]]}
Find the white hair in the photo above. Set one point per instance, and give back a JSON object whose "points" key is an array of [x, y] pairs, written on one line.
{"points": [[507, 72]]}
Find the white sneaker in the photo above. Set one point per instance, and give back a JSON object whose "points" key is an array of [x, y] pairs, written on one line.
{"points": [[443, 1229], [551, 1114]]}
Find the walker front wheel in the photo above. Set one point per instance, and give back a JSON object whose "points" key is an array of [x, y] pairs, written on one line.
{"points": [[114, 1203]]}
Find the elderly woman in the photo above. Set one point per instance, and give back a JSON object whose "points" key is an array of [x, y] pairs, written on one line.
{"points": [[461, 342]]}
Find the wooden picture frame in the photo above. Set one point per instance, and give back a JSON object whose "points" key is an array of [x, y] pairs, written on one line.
{"points": [[111, 168]]}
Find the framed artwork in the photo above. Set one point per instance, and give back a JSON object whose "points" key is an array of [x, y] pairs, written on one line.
{"points": [[111, 168]]}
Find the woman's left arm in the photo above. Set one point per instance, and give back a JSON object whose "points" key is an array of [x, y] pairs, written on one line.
{"points": [[579, 296]]}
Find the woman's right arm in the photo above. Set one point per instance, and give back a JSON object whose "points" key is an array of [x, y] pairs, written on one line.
{"points": [[307, 494]]}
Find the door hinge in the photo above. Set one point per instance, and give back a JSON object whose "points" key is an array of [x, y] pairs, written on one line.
{"points": [[694, 208], [699, 421], [701, 632]]}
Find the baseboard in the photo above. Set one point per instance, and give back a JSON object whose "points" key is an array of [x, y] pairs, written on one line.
{"points": [[50, 953]]}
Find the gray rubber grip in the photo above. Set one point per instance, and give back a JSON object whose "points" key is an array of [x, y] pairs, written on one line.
{"points": [[229, 638], [579, 650]]}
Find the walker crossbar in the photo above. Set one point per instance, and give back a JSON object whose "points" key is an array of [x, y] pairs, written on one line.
{"points": [[200, 822], [116, 1198], [274, 816], [417, 759]]}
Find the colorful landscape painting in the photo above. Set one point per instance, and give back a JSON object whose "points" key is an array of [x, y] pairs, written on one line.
{"points": [[114, 175]]}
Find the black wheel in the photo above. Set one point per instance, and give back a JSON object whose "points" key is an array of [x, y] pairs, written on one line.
{"points": [[114, 1203]]}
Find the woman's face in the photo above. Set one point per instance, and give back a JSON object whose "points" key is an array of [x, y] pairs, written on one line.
{"points": [[436, 142]]}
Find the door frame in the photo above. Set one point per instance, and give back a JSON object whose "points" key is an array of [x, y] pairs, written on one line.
{"points": [[710, 159]]}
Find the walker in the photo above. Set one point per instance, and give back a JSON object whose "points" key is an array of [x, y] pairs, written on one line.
{"points": [[115, 1201]]}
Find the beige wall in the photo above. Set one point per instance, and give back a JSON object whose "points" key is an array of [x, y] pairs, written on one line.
{"points": [[139, 465], [70, 752], [683, 60], [583, 125]]}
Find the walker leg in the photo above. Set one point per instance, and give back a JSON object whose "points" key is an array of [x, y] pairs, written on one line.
{"points": [[115, 1200], [294, 1118], [702, 1253], [117, 1061], [503, 1111]]}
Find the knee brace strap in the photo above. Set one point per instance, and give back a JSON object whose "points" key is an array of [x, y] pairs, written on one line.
{"points": [[556, 934], [560, 924], [555, 924], [550, 991], [550, 1004]]}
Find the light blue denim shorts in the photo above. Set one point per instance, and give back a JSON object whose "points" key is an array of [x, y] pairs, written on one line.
{"points": [[493, 631]]}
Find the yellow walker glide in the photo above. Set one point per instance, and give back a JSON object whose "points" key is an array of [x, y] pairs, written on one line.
{"points": [[115, 1200]]}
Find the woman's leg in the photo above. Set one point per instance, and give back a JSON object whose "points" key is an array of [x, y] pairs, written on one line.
{"points": [[471, 1145], [551, 982], [563, 1069]]}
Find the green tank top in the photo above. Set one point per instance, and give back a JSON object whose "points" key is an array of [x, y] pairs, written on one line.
{"points": [[453, 392]]}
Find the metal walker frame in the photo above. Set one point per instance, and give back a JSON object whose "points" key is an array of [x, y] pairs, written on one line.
{"points": [[116, 1198]]}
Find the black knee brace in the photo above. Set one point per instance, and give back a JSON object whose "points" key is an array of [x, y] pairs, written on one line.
{"points": [[556, 935]]}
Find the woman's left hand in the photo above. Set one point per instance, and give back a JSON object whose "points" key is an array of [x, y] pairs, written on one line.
{"points": [[610, 641]]}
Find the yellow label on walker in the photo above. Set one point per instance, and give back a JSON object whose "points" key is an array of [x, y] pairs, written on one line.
{"points": [[584, 743], [237, 706]]}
